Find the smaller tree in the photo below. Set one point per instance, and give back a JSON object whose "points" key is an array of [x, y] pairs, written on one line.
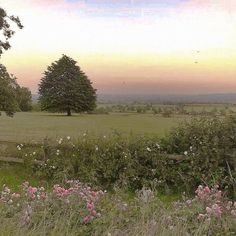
{"points": [[8, 100], [24, 98], [66, 88]]}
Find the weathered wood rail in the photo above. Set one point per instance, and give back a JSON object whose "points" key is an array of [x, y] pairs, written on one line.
{"points": [[17, 160]]}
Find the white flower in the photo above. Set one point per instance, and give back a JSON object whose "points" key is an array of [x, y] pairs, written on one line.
{"points": [[158, 146], [185, 153], [10, 201], [149, 149], [68, 137], [60, 141], [34, 153]]}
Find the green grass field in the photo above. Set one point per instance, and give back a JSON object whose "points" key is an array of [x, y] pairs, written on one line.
{"points": [[25, 127]]}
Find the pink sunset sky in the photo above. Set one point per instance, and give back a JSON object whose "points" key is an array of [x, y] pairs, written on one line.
{"points": [[128, 46]]}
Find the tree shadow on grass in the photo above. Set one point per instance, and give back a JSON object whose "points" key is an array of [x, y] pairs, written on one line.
{"points": [[60, 115]]}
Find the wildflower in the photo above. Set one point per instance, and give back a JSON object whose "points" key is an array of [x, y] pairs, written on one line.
{"points": [[34, 153], [185, 153], [60, 141], [189, 202], [58, 152], [208, 210], [233, 213], [68, 137], [90, 206], [149, 149], [201, 216], [10, 201], [87, 219], [15, 195]]}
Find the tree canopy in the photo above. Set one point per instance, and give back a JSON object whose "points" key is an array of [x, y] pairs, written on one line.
{"points": [[5, 29], [13, 97], [24, 98], [65, 88], [8, 100]]}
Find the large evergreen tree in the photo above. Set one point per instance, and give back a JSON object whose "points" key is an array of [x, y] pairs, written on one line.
{"points": [[65, 88]]}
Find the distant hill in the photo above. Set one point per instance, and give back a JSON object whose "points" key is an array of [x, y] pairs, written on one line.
{"points": [[155, 98], [165, 98]]}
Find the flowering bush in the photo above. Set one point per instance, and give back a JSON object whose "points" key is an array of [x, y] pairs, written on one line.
{"points": [[214, 202], [29, 205], [207, 146]]}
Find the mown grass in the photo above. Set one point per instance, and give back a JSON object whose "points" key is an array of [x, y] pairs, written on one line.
{"points": [[25, 127]]}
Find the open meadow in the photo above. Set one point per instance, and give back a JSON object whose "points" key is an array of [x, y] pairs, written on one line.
{"points": [[28, 126]]}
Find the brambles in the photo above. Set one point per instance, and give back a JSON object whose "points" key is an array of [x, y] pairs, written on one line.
{"points": [[206, 147]]}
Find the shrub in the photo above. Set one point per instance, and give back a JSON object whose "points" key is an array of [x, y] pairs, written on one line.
{"points": [[206, 146], [209, 145]]}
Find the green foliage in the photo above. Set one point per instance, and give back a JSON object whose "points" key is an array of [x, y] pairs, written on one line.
{"points": [[8, 99], [6, 30], [210, 147], [66, 88], [36, 107], [207, 148], [12, 97], [24, 98]]}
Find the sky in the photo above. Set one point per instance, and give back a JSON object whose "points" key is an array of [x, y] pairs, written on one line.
{"points": [[128, 46]]}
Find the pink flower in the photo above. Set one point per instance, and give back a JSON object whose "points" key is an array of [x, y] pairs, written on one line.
{"points": [[207, 190], [32, 190], [93, 213], [87, 219], [90, 206]]}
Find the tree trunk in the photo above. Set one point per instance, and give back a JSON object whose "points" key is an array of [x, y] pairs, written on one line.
{"points": [[68, 112]]}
